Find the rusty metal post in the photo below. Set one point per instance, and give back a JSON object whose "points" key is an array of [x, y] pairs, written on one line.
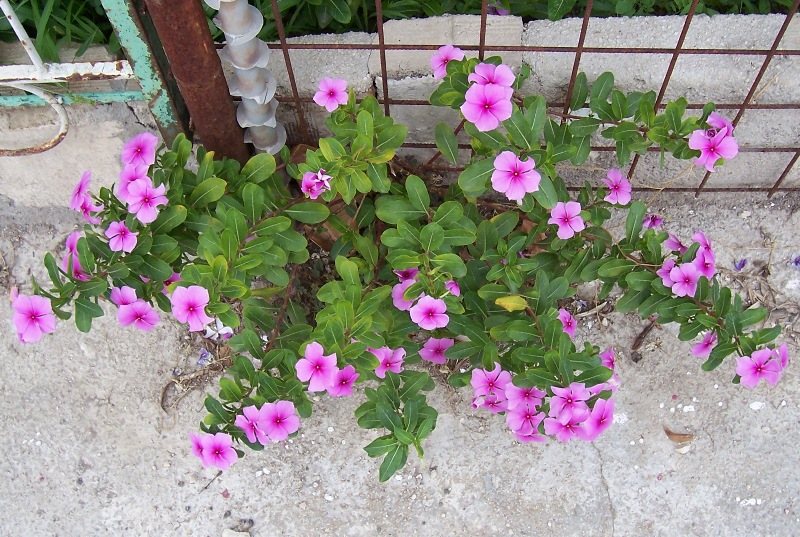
{"points": [[184, 35]]}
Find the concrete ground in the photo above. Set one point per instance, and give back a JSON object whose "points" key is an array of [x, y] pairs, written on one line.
{"points": [[89, 450]]}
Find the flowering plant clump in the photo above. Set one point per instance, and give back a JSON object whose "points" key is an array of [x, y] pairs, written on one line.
{"points": [[423, 275]]}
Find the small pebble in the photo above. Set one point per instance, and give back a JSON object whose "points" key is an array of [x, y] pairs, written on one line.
{"points": [[688, 408], [328, 498]]}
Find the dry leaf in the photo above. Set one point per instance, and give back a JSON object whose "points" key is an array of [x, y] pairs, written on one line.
{"points": [[678, 438]]}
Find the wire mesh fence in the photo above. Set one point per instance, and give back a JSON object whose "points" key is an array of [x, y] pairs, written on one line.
{"points": [[785, 149]]}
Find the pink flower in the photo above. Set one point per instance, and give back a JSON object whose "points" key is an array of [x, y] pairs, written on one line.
{"points": [[315, 183], [389, 360], [122, 296], [620, 188], [397, 295], [490, 382], [569, 403], [78, 271], [599, 420], [713, 145], [188, 306], [563, 429], [569, 322], [251, 421], [494, 402], [720, 123], [406, 274], [452, 288], [33, 317], [705, 242], [120, 237], [429, 313], [486, 106], [279, 420], [80, 192], [144, 198], [139, 314], [87, 208], [782, 355], [703, 349], [762, 364], [332, 92], [433, 350], [608, 358], [524, 419], [675, 245], [442, 56], [664, 271], [343, 383], [214, 450], [514, 177], [705, 264], [486, 73], [568, 218], [128, 175], [526, 397], [534, 436], [140, 150], [685, 277], [317, 369], [169, 281], [652, 221]]}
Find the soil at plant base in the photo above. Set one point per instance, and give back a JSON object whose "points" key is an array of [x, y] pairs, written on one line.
{"points": [[89, 449]]}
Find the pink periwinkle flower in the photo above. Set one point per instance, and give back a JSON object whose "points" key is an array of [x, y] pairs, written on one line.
{"points": [[568, 218], [514, 177], [720, 123], [570, 403], [429, 313], [526, 397], [122, 296], [599, 420], [452, 288], [486, 106], [78, 271], [761, 364], [397, 295], [664, 271], [685, 278], [406, 274], [317, 369], [714, 144], [703, 349], [144, 199], [524, 419], [332, 93], [188, 306], [443, 55], [652, 221], [389, 360], [33, 317], [315, 183], [139, 314], [486, 73], [564, 429], [128, 175], [433, 350], [782, 355], [497, 9], [87, 208], [490, 382], [140, 150], [214, 450], [619, 186], [343, 382], [569, 322], [176, 277], [279, 420], [608, 358], [494, 402], [705, 242], [251, 421], [80, 192], [120, 238], [533, 436], [675, 245], [705, 263]]}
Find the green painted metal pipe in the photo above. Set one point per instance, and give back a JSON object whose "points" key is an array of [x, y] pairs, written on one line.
{"points": [[74, 98]]}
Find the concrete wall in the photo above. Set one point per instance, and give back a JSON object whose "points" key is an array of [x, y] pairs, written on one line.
{"points": [[699, 78]]}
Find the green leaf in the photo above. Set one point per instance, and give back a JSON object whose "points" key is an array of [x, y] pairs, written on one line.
{"points": [[448, 212], [308, 212], [602, 87], [391, 138], [539, 377], [169, 218], [259, 168], [253, 199], [474, 178], [446, 142], [633, 224], [154, 268], [585, 126], [520, 130], [417, 193], [392, 209], [389, 418], [615, 268], [381, 445], [556, 9], [431, 236], [331, 149], [394, 460], [365, 124], [271, 226], [207, 192], [546, 195], [580, 91], [340, 10], [536, 115], [85, 311], [594, 376]]}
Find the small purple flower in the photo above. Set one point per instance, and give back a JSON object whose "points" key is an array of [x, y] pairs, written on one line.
{"points": [[652, 221], [619, 186], [795, 261], [332, 93], [453, 288], [739, 264], [675, 245], [406, 274]]}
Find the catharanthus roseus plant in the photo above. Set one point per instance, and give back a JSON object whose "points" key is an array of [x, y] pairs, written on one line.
{"points": [[423, 274]]}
